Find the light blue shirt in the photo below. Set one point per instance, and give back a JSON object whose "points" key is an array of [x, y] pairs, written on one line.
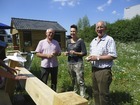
{"points": [[106, 46]]}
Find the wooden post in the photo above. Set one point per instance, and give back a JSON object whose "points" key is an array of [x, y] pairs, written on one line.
{"points": [[10, 83], [4, 98]]}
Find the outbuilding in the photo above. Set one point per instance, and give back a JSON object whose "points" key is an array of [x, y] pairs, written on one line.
{"points": [[26, 33]]}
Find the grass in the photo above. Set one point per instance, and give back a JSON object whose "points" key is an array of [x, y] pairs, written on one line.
{"points": [[126, 75], [125, 87]]}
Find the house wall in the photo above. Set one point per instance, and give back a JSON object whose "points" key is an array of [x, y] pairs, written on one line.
{"points": [[39, 35], [13, 31], [131, 12], [63, 41], [36, 36]]}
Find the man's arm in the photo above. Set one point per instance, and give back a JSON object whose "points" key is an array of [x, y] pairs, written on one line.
{"points": [[6, 74], [9, 69], [44, 55]]}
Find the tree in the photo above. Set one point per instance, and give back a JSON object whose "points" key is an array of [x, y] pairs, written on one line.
{"points": [[83, 23], [79, 24], [121, 30]]}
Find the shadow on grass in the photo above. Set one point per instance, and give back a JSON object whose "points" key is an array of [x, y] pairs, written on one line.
{"points": [[22, 99], [116, 98], [65, 88], [37, 73], [89, 91], [120, 98]]}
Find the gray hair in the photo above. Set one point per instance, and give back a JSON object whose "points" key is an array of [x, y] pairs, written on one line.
{"points": [[50, 29], [104, 23]]}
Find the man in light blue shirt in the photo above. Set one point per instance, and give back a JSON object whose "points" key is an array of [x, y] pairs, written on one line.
{"points": [[102, 54]]}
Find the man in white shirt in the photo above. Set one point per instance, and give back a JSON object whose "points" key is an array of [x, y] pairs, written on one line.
{"points": [[102, 54]]}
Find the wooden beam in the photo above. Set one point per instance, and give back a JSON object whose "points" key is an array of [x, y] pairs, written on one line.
{"points": [[69, 98], [38, 91], [44, 95], [10, 83]]}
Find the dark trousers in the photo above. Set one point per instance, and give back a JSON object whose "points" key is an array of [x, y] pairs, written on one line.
{"points": [[102, 79], [45, 74]]}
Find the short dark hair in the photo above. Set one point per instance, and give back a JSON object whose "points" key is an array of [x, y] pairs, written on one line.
{"points": [[74, 26]]}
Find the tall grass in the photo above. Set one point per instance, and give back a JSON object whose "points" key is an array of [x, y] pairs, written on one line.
{"points": [[125, 87]]}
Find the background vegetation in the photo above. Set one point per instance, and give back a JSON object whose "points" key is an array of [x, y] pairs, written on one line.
{"points": [[121, 30]]}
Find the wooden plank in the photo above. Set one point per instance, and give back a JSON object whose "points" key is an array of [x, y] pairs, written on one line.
{"points": [[4, 98], [44, 95], [69, 98], [38, 91], [10, 87], [10, 83]]}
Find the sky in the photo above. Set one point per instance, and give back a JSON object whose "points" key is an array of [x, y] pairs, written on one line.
{"points": [[65, 12]]}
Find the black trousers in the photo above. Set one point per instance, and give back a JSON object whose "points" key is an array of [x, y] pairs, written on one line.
{"points": [[45, 74], [102, 79]]}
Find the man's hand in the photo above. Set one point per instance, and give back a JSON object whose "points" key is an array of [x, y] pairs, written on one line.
{"points": [[66, 53], [12, 70], [50, 55], [72, 52], [20, 77], [91, 58]]}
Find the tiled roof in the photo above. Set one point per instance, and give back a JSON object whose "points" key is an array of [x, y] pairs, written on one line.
{"points": [[31, 24]]}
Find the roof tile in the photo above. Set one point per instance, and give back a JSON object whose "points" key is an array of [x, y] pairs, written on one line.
{"points": [[31, 24]]}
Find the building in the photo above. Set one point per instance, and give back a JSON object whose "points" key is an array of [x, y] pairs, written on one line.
{"points": [[26, 33], [132, 11], [8, 38], [2, 49], [3, 38]]}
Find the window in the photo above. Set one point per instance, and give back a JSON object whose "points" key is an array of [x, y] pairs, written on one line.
{"points": [[8, 36], [58, 37], [27, 39]]}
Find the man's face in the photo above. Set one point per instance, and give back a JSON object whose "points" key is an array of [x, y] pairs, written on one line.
{"points": [[73, 32], [100, 29], [50, 34]]}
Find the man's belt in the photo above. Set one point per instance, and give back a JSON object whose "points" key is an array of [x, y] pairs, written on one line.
{"points": [[96, 69]]}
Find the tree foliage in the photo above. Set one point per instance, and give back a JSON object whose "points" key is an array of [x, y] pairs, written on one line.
{"points": [[80, 24], [83, 23], [121, 30]]}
